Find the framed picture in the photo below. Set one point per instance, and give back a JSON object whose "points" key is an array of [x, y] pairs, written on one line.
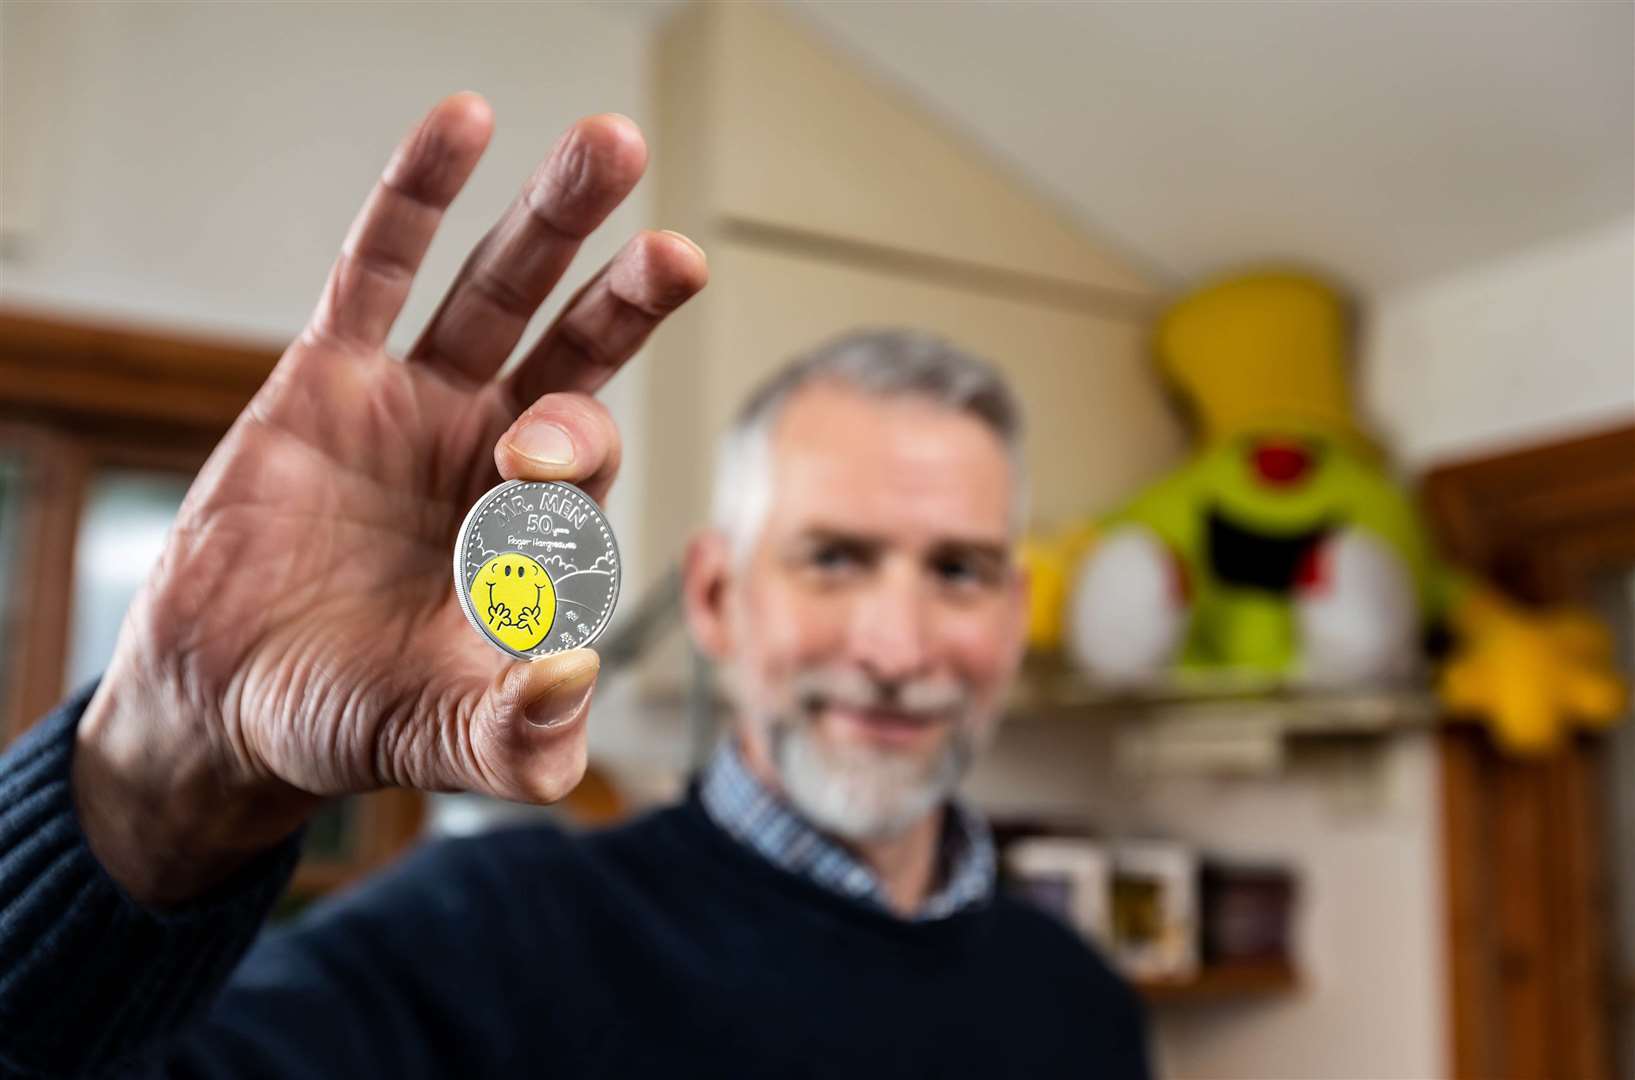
{"points": [[1155, 909], [1068, 876]]}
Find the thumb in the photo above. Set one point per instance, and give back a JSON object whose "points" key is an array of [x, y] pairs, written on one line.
{"points": [[526, 739]]}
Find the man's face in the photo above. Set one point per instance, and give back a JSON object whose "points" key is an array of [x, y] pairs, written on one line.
{"points": [[871, 631]]}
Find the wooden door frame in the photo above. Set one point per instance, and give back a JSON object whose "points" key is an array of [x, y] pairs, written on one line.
{"points": [[77, 396], [60, 469], [1526, 904]]}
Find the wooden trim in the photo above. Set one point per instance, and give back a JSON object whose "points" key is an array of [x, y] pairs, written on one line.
{"points": [[59, 471], [1518, 843], [78, 396], [1227, 982], [1497, 515], [1525, 900], [1579, 905], [1467, 916], [138, 380], [55, 473]]}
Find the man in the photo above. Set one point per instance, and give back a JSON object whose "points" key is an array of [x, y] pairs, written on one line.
{"points": [[816, 907]]}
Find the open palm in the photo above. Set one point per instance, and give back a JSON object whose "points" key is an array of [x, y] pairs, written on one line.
{"points": [[300, 630]]}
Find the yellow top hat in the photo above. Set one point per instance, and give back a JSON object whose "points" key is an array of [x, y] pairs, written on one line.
{"points": [[1262, 349]]}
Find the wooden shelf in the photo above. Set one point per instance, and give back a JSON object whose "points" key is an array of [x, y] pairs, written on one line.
{"points": [[1048, 685], [1225, 983], [1239, 722]]}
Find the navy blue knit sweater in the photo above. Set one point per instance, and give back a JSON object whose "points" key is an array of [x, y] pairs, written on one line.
{"points": [[660, 948]]}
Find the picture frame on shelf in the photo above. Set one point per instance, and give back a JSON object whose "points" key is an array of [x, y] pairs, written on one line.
{"points": [[1155, 909], [1068, 876]]}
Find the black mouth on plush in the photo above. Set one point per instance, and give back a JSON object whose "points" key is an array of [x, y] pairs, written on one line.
{"points": [[1251, 558]]}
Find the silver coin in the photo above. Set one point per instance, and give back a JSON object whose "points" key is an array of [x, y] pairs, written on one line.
{"points": [[536, 568]]}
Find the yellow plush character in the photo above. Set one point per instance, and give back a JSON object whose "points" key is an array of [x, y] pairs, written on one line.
{"points": [[1050, 560], [1529, 675], [1284, 548]]}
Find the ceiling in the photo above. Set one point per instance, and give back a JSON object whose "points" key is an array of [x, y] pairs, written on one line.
{"points": [[1387, 142]]}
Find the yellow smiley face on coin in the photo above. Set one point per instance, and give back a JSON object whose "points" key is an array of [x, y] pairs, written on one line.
{"points": [[515, 599]]}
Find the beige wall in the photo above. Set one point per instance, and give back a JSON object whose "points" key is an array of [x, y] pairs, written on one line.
{"points": [[1521, 349], [200, 163]]}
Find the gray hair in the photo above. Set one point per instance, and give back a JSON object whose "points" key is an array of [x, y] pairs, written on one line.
{"points": [[878, 364]]}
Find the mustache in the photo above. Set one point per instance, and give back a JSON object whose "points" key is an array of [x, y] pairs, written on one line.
{"points": [[931, 696]]}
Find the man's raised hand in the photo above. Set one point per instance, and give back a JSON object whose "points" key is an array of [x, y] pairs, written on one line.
{"points": [[300, 637]]}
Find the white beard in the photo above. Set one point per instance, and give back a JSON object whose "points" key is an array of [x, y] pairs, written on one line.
{"points": [[860, 794]]}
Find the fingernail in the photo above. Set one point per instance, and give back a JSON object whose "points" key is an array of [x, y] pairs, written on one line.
{"points": [[563, 702], [544, 443], [687, 241]]}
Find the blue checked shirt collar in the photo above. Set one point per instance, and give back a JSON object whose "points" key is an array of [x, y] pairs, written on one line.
{"points": [[759, 819]]}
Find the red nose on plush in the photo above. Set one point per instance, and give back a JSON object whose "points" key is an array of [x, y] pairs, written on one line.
{"points": [[1280, 464]]}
